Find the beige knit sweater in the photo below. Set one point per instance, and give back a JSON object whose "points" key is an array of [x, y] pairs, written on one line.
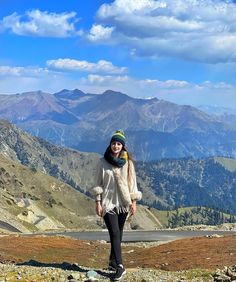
{"points": [[112, 186]]}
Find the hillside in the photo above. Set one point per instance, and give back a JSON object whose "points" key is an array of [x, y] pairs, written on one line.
{"points": [[227, 163], [156, 129], [169, 184], [71, 166], [31, 200], [166, 184], [193, 216]]}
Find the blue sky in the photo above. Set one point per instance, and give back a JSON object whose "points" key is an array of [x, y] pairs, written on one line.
{"points": [[182, 51]]}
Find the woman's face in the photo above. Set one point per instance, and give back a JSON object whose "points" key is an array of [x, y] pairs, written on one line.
{"points": [[116, 147]]}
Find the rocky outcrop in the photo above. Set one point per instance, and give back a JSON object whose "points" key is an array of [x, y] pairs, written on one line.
{"points": [[226, 275]]}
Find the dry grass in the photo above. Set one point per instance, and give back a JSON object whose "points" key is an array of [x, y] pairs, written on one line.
{"points": [[191, 253]]}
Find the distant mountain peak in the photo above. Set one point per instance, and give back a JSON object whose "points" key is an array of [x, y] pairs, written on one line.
{"points": [[37, 92], [156, 128], [69, 94], [5, 123], [112, 92]]}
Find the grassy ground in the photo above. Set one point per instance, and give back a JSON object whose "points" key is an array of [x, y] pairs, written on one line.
{"points": [[192, 253]]}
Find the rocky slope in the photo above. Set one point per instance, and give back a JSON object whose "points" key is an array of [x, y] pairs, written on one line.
{"points": [[68, 165], [31, 201]]}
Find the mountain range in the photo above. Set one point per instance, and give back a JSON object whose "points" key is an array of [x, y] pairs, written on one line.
{"points": [[155, 129], [166, 184]]}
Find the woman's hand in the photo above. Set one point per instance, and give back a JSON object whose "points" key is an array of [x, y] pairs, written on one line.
{"points": [[133, 208], [98, 208]]}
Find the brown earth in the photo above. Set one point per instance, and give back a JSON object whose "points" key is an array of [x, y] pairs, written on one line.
{"points": [[190, 253]]}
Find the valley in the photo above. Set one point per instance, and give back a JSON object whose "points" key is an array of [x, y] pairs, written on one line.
{"points": [[46, 187]]}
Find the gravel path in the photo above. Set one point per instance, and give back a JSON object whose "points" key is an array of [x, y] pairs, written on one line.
{"points": [[75, 273]]}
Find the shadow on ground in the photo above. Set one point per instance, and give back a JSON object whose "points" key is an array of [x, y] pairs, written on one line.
{"points": [[63, 266]]}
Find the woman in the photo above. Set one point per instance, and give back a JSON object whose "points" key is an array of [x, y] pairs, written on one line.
{"points": [[116, 195]]}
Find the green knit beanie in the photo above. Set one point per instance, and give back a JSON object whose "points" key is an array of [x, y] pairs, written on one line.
{"points": [[118, 136]]}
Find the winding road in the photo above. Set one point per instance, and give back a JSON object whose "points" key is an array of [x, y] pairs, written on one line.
{"points": [[143, 236], [129, 235], [6, 226]]}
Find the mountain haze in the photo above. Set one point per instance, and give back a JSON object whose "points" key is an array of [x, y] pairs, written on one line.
{"points": [[222, 114], [155, 128]]}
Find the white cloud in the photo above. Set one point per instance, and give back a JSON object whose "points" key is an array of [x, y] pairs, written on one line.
{"points": [[180, 92], [168, 84], [203, 31], [21, 79], [153, 87], [219, 85], [129, 7], [106, 80], [7, 71], [11, 71], [100, 33], [18, 79], [43, 24], [101, 66]]}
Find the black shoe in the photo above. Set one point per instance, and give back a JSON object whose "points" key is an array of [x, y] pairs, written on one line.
{"points": [[112, 266], [120, 272]]}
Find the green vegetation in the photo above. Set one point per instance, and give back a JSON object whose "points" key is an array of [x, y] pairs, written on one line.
{"points": [[205, 275], [193, 216], [171, 184]]}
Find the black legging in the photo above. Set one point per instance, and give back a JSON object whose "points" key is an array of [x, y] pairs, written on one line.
{"points": [[115, 224]]}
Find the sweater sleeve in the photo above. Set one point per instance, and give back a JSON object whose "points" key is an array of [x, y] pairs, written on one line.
{"points": [[97, 190], [134, 193]]}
